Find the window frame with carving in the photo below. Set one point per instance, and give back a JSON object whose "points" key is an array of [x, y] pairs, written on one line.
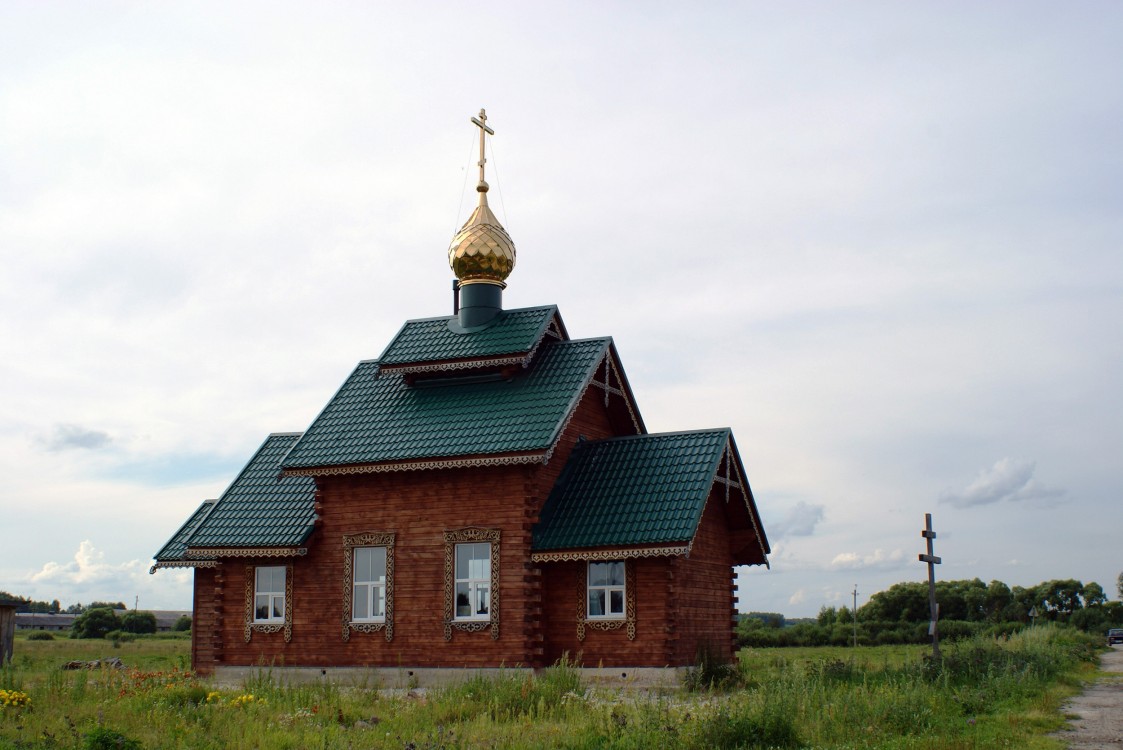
{"points": [[271, 624], [351, 543], [626, 620], [471, 623], [606, 589]]}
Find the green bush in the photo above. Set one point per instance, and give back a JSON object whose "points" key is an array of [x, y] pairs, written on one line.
{"points": [[120, 636], [95, 623], [104, 738], [710, 671], [40, 635], [138, 622], [732, 728], [183, 624]]}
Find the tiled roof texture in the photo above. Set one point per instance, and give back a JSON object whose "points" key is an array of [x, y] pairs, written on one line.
{"points": [[177, 545], [434, 339], [377, 417], [644, 489], [261, 508]]}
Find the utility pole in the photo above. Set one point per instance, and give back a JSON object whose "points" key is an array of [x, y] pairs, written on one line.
{"points": [[933, 605], [854, 612]]}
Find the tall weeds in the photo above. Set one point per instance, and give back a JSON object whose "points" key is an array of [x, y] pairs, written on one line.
{"points": [[985, 692]]}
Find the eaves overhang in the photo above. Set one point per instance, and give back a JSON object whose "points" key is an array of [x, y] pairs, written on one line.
{"points": [[675, 549], [451, 462], [196, 554]]}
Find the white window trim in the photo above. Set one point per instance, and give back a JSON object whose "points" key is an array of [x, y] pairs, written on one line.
{"points": [[615, 622], [385, 623], [475, 624], [271, 624], [607, 589], [370, 587], [273, 596], [474, 585]]}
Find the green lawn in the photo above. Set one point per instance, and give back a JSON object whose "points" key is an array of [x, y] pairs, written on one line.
{"points": [[986, 694]]}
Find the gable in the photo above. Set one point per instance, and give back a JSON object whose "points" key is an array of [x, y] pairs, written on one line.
{"points": [[381, 420], [643, 494]]}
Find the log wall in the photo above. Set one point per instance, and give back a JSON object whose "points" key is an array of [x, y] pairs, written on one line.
{"points": [[419, 507], [565, 583], [702, 590]]}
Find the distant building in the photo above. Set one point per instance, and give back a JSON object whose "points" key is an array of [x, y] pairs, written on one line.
{"points": [[165, 620], [42, 621], [483, 494]]}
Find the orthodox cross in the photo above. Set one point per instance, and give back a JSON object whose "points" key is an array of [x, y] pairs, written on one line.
{"points": [[481, 122], [933, 605]]}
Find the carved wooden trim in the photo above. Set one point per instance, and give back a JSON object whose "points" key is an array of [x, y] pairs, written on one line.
{"points": [[733, 467], [611, 368], [251, 626], [211, 553], [183, 564], [613, 554], [452, 463], [452, 538], [370, 539], [627, 621], [463, 364]]}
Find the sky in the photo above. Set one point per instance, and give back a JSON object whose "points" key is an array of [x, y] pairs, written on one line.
{"points": [[881, 241]]}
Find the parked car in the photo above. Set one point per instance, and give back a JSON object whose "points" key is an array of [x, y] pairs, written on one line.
{"points": [[1115, 635]]}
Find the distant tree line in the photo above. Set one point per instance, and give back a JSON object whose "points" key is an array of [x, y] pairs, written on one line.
{"points": [[900, 614], [54, 608]]}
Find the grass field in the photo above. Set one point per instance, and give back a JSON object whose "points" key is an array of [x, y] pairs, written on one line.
{"points": [[986, 694]]}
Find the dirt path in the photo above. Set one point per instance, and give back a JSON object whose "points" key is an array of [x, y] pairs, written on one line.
{"points": [[1100, 710]]}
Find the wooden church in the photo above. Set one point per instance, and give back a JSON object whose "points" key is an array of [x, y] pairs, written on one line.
{"points": [[483, 494]]}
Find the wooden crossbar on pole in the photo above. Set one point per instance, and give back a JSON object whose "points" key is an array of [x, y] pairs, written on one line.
{"points": [[933, 605]]}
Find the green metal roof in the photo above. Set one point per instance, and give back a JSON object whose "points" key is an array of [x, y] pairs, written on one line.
{"points": [[378, 417], [261, 508], [177, 545], [642, 489], [511, 333]]}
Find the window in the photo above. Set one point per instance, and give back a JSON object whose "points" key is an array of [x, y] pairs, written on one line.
{"points": [[606, 590], [268, 600], [607, 601], [368, 583], [369, 590], [269, 594], [473, 581]]}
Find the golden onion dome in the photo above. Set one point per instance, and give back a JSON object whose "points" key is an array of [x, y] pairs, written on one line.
{"points": [[482, 251]]}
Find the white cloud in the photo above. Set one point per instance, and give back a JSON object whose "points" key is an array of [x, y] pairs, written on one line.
{"points": [[89, 576], [879, 559], [800, 520], [1008, 480], [798, 597], [72, 436]]}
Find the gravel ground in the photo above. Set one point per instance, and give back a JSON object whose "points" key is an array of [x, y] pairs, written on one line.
{"points": [[1099, 709]]}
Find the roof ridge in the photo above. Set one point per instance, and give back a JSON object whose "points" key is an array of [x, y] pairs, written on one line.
{"points": [[674, 433]]}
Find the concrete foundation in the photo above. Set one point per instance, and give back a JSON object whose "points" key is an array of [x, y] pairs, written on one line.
{"points": [[405, 678]]}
